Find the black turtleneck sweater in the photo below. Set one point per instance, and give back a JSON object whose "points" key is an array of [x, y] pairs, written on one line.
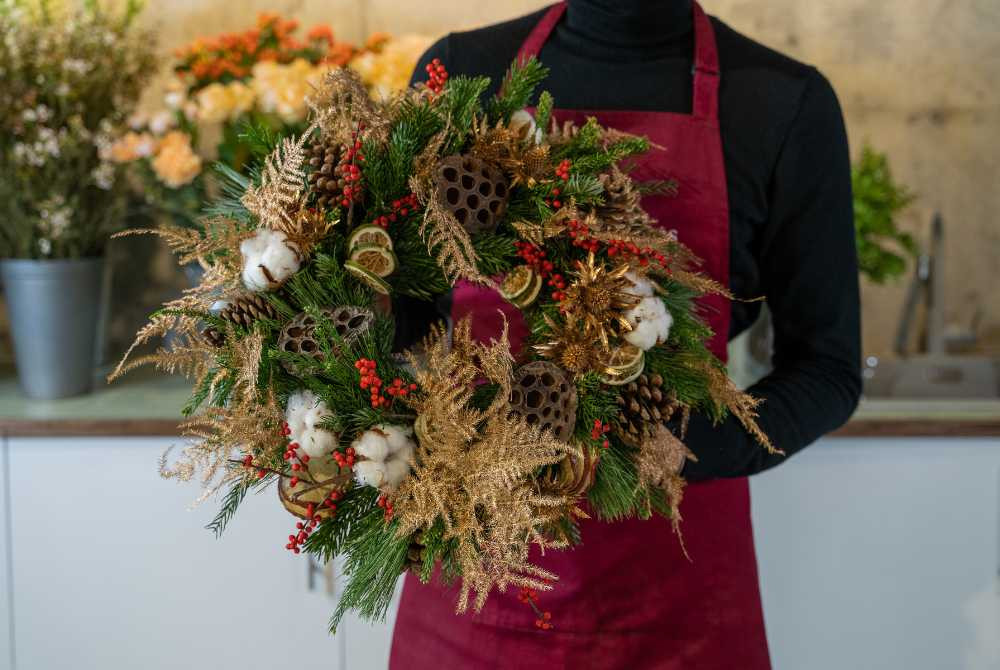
{"points": [[788, 172]]}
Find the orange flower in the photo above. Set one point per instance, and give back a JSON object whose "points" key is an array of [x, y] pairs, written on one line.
{"points": [[265, 19], [340, 54], [377, 40], [320, 33], [176, 163]]}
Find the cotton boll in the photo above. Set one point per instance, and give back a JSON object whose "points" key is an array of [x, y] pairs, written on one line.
{"points": [[372, 445], [650, 323], [396, 471], [269, 259], [304, 414], [397, 437], [523, 123], [370, 473], [642, 287]]}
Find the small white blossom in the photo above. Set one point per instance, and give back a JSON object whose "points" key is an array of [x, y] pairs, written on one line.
{"points": [[44, 246], [104, 176]]}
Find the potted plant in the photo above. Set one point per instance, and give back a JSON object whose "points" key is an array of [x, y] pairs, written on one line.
{"points": [[71, 75]]}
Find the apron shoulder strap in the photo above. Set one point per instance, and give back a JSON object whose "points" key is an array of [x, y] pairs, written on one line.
{"points": [[705, 99], [540, 33], [706, 56]]}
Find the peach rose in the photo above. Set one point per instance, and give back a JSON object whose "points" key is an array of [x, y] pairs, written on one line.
{"points": [[176, 163], [215, 103], [131, 146]]}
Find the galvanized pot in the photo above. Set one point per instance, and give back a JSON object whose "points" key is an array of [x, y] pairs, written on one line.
{"points": [[54, 311]]}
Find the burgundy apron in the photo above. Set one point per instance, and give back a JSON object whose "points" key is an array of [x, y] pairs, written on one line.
{"points": [[627, 597]]}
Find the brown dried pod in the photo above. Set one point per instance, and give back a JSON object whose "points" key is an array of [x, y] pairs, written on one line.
{"points": [[298, 336], [474, 191], [644, 406], [572, 476], [544, 396], [312, 491]]}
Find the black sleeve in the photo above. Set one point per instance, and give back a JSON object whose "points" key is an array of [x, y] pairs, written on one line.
{"points": [[808, 265]]}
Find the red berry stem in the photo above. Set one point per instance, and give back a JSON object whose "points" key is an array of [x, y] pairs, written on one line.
{"points": [[437, 76], [543, 620], [401, 208]]}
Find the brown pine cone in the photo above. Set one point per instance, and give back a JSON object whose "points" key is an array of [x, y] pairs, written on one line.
{"points": [[247, 309], [642, 407], [415, 554], [326, 181], [214, 336]]}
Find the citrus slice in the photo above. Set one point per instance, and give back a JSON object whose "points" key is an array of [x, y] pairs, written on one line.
{"points": [[378, 284], [376, 259], [625, 365], [517, 282], [529, 295], [369, 235]]}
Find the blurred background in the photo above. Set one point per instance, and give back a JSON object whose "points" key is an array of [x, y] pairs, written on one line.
{"points": [[879, 547]]}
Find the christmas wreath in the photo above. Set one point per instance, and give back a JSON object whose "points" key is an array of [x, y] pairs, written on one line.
{"points": [[456, 454]]}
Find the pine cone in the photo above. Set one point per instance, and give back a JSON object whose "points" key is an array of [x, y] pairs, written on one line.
{"points": [[214, 336], [415, 554], [642, 407], [326, 181], [244, 311]]}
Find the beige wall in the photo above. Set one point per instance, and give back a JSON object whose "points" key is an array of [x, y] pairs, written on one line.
{"points": [[920, 79]]}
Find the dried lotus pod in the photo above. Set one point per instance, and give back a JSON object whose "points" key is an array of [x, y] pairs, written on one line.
{"points": [[299, 335], [544, 396], [474, 191]]}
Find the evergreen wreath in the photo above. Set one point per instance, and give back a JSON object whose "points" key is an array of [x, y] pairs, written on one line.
{"points": [[456, 454]]}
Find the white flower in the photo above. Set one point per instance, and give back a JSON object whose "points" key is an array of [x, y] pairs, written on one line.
{"points": [[523, 122], [104, 176], [650, 322], [76, 66], [269, 259], [137, 120], [372, 445], [44, 246], [640, 285], [304, 414], [161, 122]]}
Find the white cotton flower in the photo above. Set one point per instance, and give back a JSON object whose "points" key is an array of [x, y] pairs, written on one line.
{"points": [[372, 445], [385, 451], [397, 437], [370, 473], [269, 259], [523, 122], [650, 322], [642, 287], [304, 414]]}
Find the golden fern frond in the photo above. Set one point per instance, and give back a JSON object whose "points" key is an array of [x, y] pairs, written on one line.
{"points": [[278, 195]]}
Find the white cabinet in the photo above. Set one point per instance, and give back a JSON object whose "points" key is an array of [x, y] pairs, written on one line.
{"points": [[111, 572], [6, 646], [882, 554]]}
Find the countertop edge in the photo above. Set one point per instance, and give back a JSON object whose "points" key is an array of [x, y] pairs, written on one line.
{"points": [[860, 427]]}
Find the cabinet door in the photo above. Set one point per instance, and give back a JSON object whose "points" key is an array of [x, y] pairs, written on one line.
{"points": [[878, 554], [112, 570]]}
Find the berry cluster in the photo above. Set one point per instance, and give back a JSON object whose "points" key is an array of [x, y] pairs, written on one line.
{"points": [[383, 502], [305, 528], [351, 171], [381, 394], [437, 75], [298, 462], [248, 463], [535, 257], [554, 201], [599, 432], [629, 251], [562, 170], [530, 597], [580, 236], [400, 389], [345, 459], [400, 208]]}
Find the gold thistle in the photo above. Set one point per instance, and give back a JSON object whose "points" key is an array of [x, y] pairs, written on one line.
{"points": [[571, 345], [599, 298]]}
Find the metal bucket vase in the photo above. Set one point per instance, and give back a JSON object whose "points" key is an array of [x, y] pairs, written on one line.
{"points": [[54, 312]]}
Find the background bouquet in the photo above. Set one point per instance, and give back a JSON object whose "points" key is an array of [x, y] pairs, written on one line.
{"points": [[461, 453], [71, 75]]}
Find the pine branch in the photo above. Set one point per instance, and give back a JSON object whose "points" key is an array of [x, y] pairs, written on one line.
{"points": [[234, 497], [517, 89], [543, 112]]}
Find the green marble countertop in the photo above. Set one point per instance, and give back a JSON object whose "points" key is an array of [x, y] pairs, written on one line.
{"points": [[145, 404]]}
